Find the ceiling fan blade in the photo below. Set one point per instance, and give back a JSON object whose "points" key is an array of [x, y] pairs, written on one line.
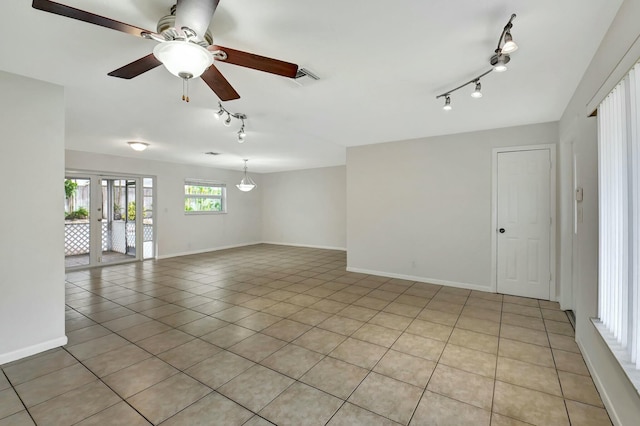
{"points": [[216, 81], [136, 68], [257, 62], [195, 14], [81, 15]]}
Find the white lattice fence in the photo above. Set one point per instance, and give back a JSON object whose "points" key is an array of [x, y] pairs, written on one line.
{"points": [[76, 237]]}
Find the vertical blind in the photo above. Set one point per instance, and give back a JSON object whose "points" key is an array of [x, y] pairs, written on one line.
{"points": [[619, 209]]}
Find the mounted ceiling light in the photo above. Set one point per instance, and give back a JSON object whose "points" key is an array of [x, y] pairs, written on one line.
{"points": [[246, 184], [477, 93], [498, 62], [227, 122], [183, 58], [138, 146]]}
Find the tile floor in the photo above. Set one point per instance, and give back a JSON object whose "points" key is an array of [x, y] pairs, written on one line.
{"points": [[270, 334]]}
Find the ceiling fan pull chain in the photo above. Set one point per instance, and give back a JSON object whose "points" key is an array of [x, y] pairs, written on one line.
{"points": [[185, 90]]}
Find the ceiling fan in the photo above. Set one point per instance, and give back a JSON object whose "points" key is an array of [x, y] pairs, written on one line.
{"points": [[185, 46]]}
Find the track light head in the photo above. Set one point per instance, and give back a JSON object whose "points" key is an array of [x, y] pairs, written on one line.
{"points": [[447, 103], [227, 122], [219, 113], [241, 134], [499, 61], [510, 46], [477, 92]]}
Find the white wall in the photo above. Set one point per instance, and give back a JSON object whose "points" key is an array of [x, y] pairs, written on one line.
{"points": [[580, 132], [421, 209], [305, 207], [31, 231], [178, 233]]}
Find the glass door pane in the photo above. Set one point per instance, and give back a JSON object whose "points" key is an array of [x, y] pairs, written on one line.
{"points": [[147, 218], [77, 224], [118, 227]]}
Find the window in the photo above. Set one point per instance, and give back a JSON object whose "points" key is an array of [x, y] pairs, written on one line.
{"points": [[619, 209], [204, 197]]}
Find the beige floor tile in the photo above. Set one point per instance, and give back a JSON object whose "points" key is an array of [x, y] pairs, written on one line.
{"points": [[430, 329], [301, 405], [469, 360], [579, 388], [212, 406], [259, 303], [487, 296], [558, 327], [528, 311], [472, 340], [257, 347], [376, 334], [383, 295], [569, 361], [481, 313], [138, 377], [528, 375], [212, 307], [343, 297], [303, 300], [319, 340], [478, 325], [110, 314], [292, 360], [97, 346], [413, 300], [419, 346], [219, 369], [358, 313], [85, 334], [402, 309], [525, 335], [228, 336], [392, 321], [203, 326], [21, 418], [529, 405], [523, 321], [335, 377], [162, 311], [565, 343], [407, 368], [549, 305], [524, 301], [32, 368], [74, 406], [284, 309], [555, 315], [116, 359], [309, 316], [143, 331], [438, 304], [53, 384], [286, 330], [452, 298], [387, 397], [462, 386], [587, 415], [500, 420], [258, 321], [256, 387], [181, 318], [436, 409], [9, 403], [164, 341], [438, 317], [121, 413], [362, 354], [126, 322], [352, 415], [341, 325], [233, 314], [526, 352], [258, 421], [485, 304], [163, 400], [371, 302], [189, 354]]}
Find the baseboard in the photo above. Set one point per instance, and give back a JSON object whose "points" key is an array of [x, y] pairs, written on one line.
{"points": [[32, 350], [306, 246], [207, 250], [606, 399], [466, 286]]}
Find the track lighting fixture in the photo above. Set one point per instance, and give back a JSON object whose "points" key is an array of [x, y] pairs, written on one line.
{"points": [[478, 92], [447, 103], [246, 184], [498, 61], [231, 115]]}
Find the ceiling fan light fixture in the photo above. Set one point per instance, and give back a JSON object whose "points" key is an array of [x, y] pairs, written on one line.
{"points": [[183, 59], [138, 146], [246, 184]]}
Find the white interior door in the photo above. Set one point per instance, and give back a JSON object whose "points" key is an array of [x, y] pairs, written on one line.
{"points": [[524, 223]]}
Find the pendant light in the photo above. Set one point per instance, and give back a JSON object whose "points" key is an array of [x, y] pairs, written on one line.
{"points": [[246, 184]]}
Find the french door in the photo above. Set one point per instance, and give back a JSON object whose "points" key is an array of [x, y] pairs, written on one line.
{"points": [[108, 219]]}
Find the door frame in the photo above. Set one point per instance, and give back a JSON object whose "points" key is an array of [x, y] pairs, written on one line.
{"points": [[552, 206]]}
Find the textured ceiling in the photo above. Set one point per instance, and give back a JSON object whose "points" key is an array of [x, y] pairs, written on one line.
{"points": [[381, 64]]}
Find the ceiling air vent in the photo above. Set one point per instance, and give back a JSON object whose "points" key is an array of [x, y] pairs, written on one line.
{"points": [[213, 153]]}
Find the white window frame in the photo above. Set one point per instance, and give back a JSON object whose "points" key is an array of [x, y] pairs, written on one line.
{"points": [[209, 183], [619, 223]]}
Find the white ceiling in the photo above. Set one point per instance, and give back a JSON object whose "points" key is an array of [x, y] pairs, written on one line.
{"points": [[381, 63]]}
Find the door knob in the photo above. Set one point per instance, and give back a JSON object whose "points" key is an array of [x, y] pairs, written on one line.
{"points": [[501, 230]]}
